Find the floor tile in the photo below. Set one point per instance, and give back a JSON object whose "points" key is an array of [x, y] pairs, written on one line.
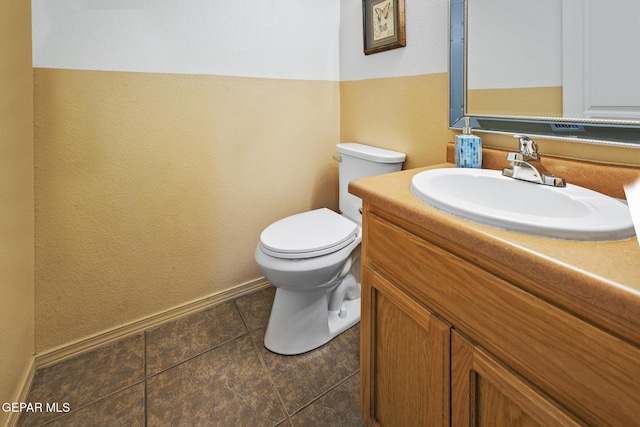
{"points": [[122, 409], [255, 307], [86, 378], [191, 335], [226, 386], [338, 408], [300, 379], [206, 369]]}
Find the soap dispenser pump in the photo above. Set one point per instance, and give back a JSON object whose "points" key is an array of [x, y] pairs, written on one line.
{"points": [[468, 148]]}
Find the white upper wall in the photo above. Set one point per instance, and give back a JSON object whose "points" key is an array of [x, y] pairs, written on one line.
{"points": [[514, 43], [288, 39], [427, 50]]}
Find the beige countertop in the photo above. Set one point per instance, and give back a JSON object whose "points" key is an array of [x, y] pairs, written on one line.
{"points": [[598, 281]]}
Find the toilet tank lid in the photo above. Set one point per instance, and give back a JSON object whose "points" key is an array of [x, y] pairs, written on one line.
{"points": [[367, 152]]}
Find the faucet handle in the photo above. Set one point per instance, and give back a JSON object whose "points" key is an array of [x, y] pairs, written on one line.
{"points": [[528, 147]]}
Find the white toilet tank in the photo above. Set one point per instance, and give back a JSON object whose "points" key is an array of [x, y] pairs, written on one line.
{"points": [[358, 161]]}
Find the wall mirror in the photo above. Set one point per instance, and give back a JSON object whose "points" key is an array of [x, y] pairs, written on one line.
{"points": [[560, 69]]}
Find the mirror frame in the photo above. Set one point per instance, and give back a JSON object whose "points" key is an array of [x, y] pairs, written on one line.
{"points": [[615, 133]]}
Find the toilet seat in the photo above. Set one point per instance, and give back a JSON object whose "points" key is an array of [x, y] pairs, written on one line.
{"points": [[308, 235]]}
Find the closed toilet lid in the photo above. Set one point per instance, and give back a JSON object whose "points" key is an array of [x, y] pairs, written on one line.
{"points": [[309, 234]]}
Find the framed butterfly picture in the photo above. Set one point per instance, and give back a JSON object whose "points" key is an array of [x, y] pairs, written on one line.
{"points": [[384, 27]]}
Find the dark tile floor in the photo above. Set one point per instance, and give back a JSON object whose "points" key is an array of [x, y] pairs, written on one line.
{"points": [[206, 369]]}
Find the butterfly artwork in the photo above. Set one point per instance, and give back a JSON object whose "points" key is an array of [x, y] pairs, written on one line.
{"points": [[383, 21], [384, 25]]}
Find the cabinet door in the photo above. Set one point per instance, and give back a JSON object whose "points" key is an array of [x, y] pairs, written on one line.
{"points": [[486, 393], [405, 360]]}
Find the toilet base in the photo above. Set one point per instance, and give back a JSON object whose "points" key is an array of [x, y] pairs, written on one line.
{"points": [[301, 320]]}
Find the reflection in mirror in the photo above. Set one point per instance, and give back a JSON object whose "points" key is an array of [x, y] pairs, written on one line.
{"points": [[514, 65], [564, 69]]}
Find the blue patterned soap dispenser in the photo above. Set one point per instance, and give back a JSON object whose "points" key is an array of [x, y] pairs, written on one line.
{"points": [[468, 148]]}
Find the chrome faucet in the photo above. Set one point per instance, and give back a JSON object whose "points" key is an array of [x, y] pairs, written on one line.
{"points": [[526, 165]]}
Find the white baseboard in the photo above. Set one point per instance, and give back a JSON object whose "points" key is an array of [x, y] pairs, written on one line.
{"points": [[13, 418], [103, 339]]}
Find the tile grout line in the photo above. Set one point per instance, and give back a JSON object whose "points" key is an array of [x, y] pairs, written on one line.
{"points": [[264, 366], [106, 396], [271, 381], [195, 356], [327, 391], [244, 322]]}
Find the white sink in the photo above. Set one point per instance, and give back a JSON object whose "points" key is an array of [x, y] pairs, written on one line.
{"points": [[486, 197]]}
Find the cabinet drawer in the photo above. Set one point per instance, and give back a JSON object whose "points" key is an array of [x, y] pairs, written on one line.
{"points": [[590, 372]]}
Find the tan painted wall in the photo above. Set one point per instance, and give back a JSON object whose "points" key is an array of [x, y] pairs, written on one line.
{"points": [[16, 200], [410, 114], [152, 189], [532, 101], [407, 114], [543, 102]]}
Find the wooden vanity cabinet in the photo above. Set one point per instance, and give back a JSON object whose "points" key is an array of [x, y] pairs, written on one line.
{"points": [[406, 351], [448, 338], [487, 393]]}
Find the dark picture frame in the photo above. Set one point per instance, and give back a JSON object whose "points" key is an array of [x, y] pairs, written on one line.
{"points": [[384, 25]]}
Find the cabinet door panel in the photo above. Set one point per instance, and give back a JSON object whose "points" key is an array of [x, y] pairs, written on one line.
{"points": [[405, 359], [586, 369], [486, 393]]}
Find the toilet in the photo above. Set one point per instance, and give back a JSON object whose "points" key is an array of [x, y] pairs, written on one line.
{"points": [[313, 260]]}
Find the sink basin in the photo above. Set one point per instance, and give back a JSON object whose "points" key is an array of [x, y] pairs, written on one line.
{"points": [[486, 197]]}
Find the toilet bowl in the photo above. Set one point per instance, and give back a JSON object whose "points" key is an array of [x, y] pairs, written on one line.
{"points": [[317, 297], [313, 260]]}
